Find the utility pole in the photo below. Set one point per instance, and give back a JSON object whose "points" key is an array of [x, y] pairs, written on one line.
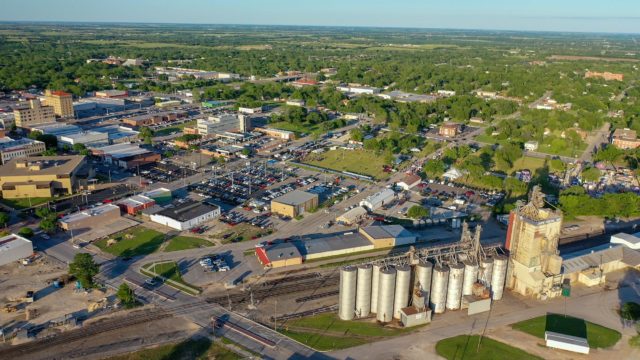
{"points": [[275, 314]]}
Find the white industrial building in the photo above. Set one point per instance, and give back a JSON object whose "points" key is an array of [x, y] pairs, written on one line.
{"points": [[566, 342], [13, 248], [86, 138], [187, 215], [378, 199], [628, 240]]}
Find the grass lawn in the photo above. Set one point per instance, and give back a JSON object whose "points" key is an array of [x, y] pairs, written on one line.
{"points": [[190, 349], [464, 347], [184, 242], [135, 241], [526, 162], [296, 128], [177, 127], [241, 232], [326, 332], [171, 271], [597, 336], [358, 161], [25, 203]]}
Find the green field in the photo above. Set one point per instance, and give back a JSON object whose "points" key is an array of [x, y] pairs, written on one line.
{"points": [[178, 127], [184, 242], [358, 161], [135, 241], [597, 336], [526, 162], [170, 270], [190, 349], [465, 347], [326, 332], [20, 204]]}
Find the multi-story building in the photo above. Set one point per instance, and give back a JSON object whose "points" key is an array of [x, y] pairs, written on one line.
{"points": [[13, 149], [625, 139], [61, 102], [155, 118], [43, 176], [34, 114], [449, 129], [535, 268]]}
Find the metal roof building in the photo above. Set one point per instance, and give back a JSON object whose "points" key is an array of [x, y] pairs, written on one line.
{"points": [[378, 199], [13, 248]]}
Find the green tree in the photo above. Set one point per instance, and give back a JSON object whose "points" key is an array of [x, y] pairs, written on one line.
{"points": [[246, 151], [79, 147], [4, 219], [591, 174], [418, 212], [49, 224], [126, 296], [434, 168], [84, 268], [25, 232], [630, 311]]}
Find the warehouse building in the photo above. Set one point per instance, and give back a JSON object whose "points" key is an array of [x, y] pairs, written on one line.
{"points": [[336, 245], [126, 155], [378, 200], [154, 118], [56, 129], [352, 216], [87, 219], [628, 240], [135, 204], [591, 266], [162, 196], [13, 248], [279, 255], [385, 236], [186, 215], [86, 138], [43, 176], [409, 181], [294, 203]]}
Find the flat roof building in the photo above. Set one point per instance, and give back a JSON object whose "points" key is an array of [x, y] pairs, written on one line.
{"points": [[154, 118], [42, 176], [294, 203], [352, 216], [86, 219], [628, 240], [385, 236], [16, 149], [279, 255], [35, 114], [625, 139], [186, 215], [126, 155], [133, 205], [86, 138], [13, 248]]}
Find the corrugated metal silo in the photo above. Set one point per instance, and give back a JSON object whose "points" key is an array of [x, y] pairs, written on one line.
{"points": [[403, 289], [439, 283], [454, 290], [363, 290], [347, 297], [500, 264], [470, 277], [375, 280], [386, 292], [486, 271]]}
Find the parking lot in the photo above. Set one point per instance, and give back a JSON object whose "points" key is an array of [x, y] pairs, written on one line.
{"points": [[165, 172]]}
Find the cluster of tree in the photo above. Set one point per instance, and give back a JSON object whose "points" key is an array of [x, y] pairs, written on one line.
{"points": [[48, 219], [394, 143], [127, 296], [146, 134], [84, 268], [418, 212], [575, 202]]}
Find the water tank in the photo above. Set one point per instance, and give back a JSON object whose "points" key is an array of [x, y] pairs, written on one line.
{"points": [[375, 279], [500, 264], [470, 277], [386, 292], [485, 271], [454, 290], [347, 297], [363, 291], [424, 271], [439, 283], [403, 289]]}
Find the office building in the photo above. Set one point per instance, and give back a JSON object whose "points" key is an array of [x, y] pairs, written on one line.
{"points": [[43, 176], [294, 203], [61, 102], [35, 114], [14, 149]]}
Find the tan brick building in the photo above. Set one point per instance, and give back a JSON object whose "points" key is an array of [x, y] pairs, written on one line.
{"points": [[61, 102], [33, 115], [42, 176], [625, 139], [449, 129], [294, 203]]}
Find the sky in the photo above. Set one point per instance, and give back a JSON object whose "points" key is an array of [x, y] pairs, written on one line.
{"points": [[613, 16]]}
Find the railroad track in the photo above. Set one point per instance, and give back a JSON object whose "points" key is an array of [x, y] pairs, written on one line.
{"points": [[277, 290], [78, 334], [317, 296]]}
